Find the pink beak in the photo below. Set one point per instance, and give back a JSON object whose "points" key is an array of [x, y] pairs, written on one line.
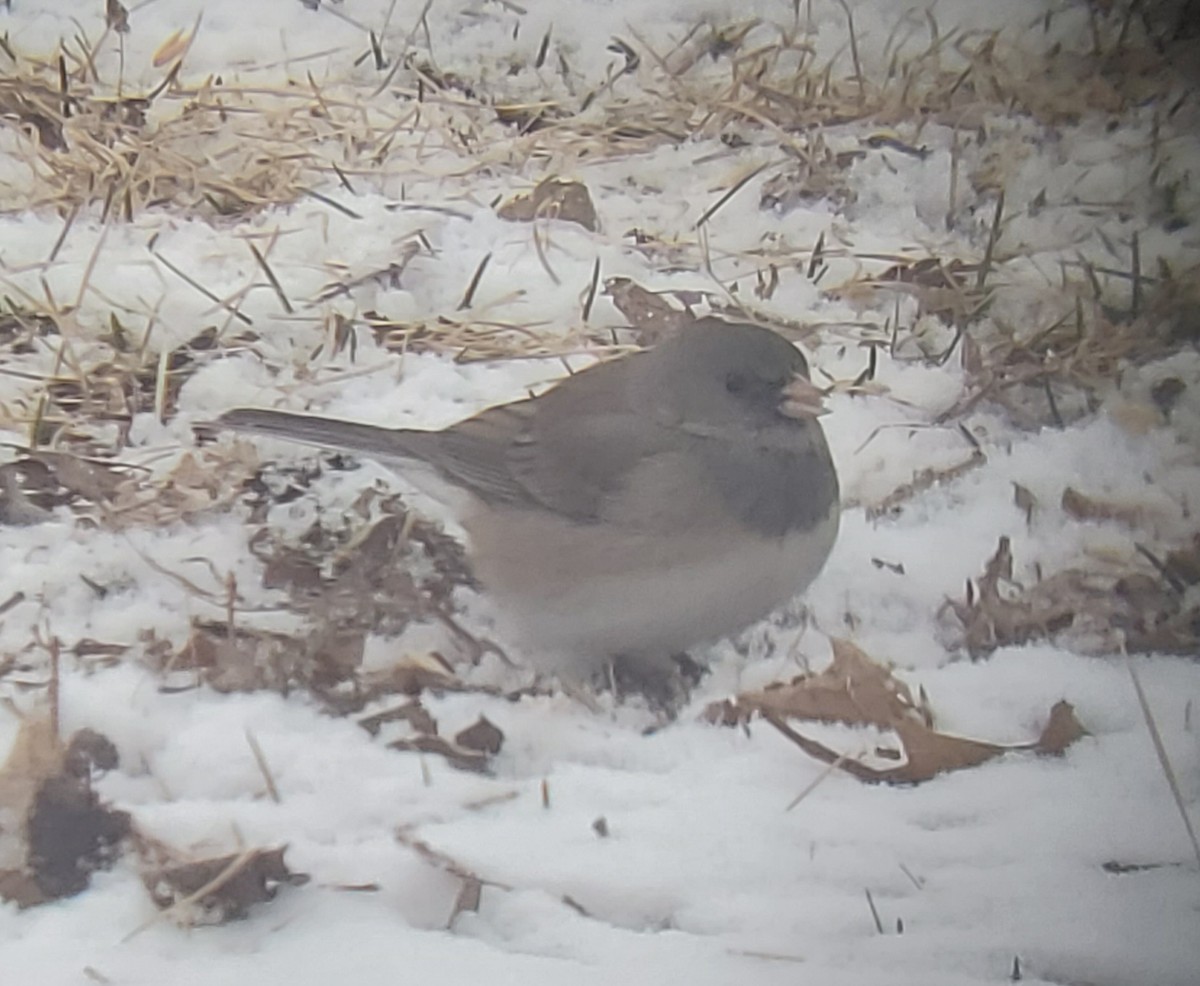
{"points": [[802, 399]]}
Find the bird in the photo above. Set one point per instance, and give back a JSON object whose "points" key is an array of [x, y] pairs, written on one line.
{"points": [[641, 507]]}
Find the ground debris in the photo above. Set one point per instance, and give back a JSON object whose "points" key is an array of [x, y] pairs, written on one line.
{"points": [[218, 889], [1127, 606], [54, 829], [856, 691], [553, 198]]}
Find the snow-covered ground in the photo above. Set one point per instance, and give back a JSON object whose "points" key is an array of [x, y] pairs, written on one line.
{"points": [[283, 150]]}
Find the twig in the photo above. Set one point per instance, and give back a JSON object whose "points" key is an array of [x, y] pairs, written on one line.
{"points": [[993, 236], [1160, 751], [737, 187], [220, 303], [590, 297], [263, 767], [274, 281], [874, 912], [858, 75], [469, 295]]}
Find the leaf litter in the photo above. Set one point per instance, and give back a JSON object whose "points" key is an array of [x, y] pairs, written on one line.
{"points": [[856, 691]]}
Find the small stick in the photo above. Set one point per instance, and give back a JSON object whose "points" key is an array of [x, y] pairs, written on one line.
{"points": [[91, 264], [540, 249], [817, 255], [275, 285], [235, 866], [862, 89], [55, 689], [952, 204], [244, 319], [469, 294], [816, 781], [737, 187], [263, 767], [993, 236], [1135, 274], [874, 912], [331, 203], [590, 298], [63, 235], [1161, 751]]}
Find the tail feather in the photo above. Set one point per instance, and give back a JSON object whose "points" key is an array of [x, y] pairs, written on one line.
{"points": [[386, 444]]}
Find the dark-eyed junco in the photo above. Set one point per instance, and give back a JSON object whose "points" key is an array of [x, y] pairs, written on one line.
{"points": [[641, 506]]}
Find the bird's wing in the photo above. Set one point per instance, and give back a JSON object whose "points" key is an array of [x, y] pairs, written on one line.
{"points": [[569, 450]]}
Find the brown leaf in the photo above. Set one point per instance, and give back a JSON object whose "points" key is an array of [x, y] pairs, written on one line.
{"points": [[221, 889], [650, 314], [20, 888], [414, 713], [553, 198], [483, 736], [116, 17], [1061, 730], [1090, 610], [929, 753], [454, 755], [16, 507], [1183, 564], [858, 692], [923, 480], [93, 479], [294, 571], [852, 689], [413, 675], [1083, 507], [1025, 500], [57, 831]]}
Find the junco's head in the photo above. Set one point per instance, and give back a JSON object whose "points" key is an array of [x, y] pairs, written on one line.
{"points": [[639, 507]]}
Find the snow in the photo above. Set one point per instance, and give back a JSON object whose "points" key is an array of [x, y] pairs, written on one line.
{"points": [[703, 875]]}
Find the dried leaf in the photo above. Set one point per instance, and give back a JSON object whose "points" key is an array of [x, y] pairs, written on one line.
{"points": [[853, 690], [1025, 500], [1083, 507], [116, 17], [453, 754], [650, 314], [857, 692], [929, 753], [924, 480], [90, 478], [16, 508], [483, 736], [221, 889], [414, 713], [553, 198], [1183, 564], [1062, 729], [1096, 611], [54, 830], [413, 675]]}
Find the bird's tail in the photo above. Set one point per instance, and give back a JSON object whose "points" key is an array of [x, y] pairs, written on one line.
{"points": [[385, 444]]}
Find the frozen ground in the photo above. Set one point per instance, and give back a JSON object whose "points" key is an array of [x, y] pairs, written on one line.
{"points": [[701, 875]]}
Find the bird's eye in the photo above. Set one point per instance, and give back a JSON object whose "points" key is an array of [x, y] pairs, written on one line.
{"points": [[736, 382]]}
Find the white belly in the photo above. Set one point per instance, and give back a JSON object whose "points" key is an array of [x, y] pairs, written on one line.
{"points": [[577, 606]]}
